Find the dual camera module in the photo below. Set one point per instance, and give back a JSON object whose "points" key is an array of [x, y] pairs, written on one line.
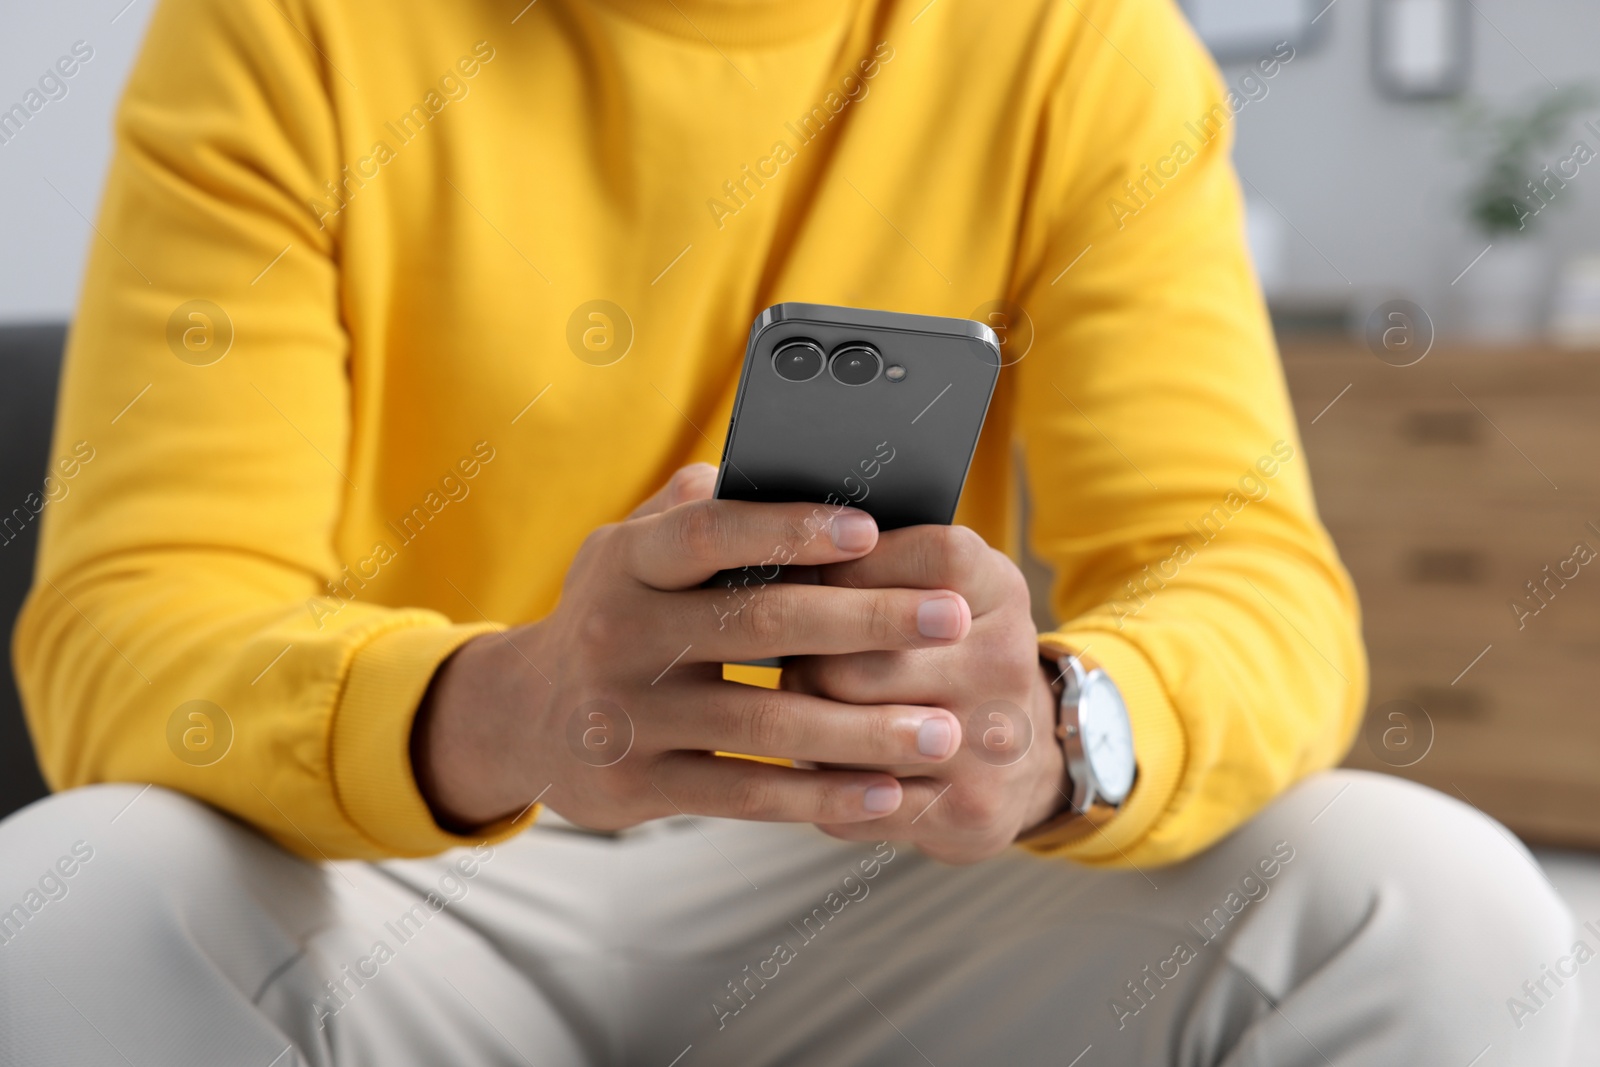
{"points": [[852, 363]]}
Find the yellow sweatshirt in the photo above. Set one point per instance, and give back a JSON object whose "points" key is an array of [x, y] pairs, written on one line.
{"points": [[350, 399]]}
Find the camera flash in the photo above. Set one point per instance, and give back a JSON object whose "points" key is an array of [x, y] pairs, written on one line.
{"points": [[895, 373]]}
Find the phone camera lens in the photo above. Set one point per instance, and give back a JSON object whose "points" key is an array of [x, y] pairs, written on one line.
{"points": [[856, 364], [797, 361]]}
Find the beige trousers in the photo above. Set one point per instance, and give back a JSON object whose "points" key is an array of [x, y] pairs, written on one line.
{"points": [[1359, 920]]}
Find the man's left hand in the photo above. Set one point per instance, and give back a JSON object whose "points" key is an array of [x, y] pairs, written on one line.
{"points": [[1008, 775]]}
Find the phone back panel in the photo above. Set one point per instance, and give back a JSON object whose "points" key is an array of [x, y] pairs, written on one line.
{"points": [[898, 450]]}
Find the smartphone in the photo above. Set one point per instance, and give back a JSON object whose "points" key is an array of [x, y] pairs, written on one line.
{"points": [[874, 410]]}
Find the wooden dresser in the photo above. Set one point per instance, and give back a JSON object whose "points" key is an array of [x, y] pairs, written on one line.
{"points": [[1449, 486]]}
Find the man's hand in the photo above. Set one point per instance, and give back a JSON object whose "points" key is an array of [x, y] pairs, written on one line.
{"points": [[611, 708], [1008, 776]]}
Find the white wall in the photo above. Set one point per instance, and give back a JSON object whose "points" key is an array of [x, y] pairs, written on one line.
{"points": [[43, 238], [1374, 185]]}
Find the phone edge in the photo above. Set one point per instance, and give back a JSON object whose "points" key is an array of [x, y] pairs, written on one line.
{"points": [[796, 311]]}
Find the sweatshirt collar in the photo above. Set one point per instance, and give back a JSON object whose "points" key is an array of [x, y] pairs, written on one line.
{"points": [[734, 23]]}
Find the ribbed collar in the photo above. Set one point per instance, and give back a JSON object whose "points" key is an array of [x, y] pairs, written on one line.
{"points": [[734, 23]]}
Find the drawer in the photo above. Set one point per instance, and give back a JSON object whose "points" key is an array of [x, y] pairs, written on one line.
{"points": [[1443, 450], [1412, 583], [1530, 708], [1431, 425]]}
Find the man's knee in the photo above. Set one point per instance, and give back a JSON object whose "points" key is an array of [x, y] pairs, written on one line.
{"points": [[56, 854], [117, 824], [117, 853], [1379, 828], [104, 802], [1468, 900]]}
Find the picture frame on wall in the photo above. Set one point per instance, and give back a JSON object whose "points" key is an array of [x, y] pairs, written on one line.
{"points": [[1242, 30], [1421, 49]]}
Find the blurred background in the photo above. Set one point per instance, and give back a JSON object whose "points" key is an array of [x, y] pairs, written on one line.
{"points": [[1423, 182]]}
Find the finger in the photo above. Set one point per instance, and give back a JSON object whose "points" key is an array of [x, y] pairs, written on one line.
{"points": [[934, 557], [683, 546], [750, 621], [695, 783], [918, 816], [879, 677], [769, 722], [693, 482]]}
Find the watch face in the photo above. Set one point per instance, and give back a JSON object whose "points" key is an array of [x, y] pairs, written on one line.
{"points": [[1107, 736]]}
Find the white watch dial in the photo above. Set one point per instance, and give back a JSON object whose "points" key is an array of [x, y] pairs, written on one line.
{"points": [[1107, 736]]}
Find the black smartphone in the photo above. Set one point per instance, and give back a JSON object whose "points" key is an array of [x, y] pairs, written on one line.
{"points": [[875, 410]]}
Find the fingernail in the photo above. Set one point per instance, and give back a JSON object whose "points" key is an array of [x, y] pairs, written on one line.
{"points": [[881, 799], [934, 737], [939, 618], [853, 531]]}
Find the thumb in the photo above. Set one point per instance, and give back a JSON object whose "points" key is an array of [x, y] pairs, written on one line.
{"points": [[694, 482]]}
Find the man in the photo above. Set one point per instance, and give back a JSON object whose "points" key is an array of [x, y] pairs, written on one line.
{"points": [[396, 317]]}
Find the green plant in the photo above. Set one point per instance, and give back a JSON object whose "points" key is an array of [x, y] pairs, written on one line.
{"points": [[1506, 143]]}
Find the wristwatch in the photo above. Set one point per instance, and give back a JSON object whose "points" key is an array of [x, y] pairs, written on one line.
{"points": [[1096, 738]]}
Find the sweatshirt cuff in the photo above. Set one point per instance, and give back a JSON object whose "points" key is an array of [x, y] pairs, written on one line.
{"points": [[371, 743], [1158, 744]]}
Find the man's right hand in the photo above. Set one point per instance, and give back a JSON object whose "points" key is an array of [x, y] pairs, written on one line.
{"points": [[611, 707]]}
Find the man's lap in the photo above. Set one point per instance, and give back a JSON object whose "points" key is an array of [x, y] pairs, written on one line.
{"points": [[1358, 919]]}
